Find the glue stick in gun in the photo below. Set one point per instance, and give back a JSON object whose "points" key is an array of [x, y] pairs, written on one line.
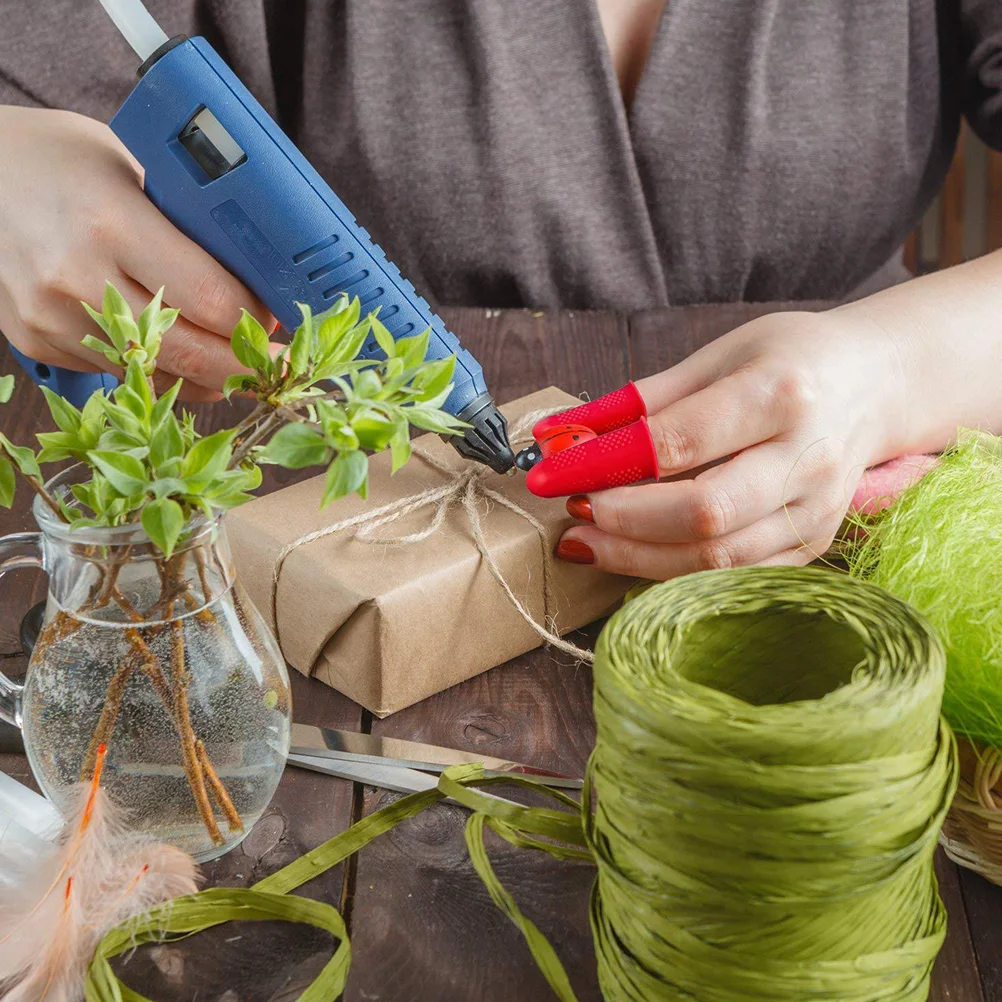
{"points": [[226, 175]]}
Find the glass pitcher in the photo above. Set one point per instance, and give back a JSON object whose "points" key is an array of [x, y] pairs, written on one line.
{"points": [[164, 663]]}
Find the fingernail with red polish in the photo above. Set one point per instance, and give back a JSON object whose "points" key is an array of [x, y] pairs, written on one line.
{"points": [[579, 507], [575, 552]]}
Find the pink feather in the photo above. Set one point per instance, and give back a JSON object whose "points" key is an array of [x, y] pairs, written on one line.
{"points": [[62, 901]]}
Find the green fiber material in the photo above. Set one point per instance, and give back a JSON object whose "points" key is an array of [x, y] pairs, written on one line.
{"points": [[762, 804], [770, 776], [939, 547]]}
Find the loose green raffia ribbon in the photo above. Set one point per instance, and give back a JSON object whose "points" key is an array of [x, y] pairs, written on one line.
{"points": [[763, 801]]}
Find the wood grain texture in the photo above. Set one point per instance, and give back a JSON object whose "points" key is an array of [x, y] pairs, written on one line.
{"points": [[522, 351], [660, 339], [423, 926], [955, 977], [983, 903]]}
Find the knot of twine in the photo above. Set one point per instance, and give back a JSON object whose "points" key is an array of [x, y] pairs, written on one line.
{"points": [[468, 488]]}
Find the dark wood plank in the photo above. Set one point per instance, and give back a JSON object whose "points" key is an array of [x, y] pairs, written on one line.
{"points": [[423, 926], [263, 962], [660, 339], [955, 976], [522, 351], [983, 902]]}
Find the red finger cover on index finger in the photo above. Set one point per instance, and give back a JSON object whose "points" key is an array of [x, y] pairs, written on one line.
{"points": [[614, 410], [618, 458]]}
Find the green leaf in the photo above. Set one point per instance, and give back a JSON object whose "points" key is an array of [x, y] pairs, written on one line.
{"points": [[124, 472], [110, 353], [414, 349], [8, 482], [150, 314], [301, 348], [347, 474], [7, 388], [340, 337], [96, 317], [250, 344], [23, 457], [237, 383], [135, 380], [374, 431], [383, 337], [163, 521], [123, 332], [208, 456], [165, 403], [435, 377], [166, 442], [65, 415], [400, 445], [114, 303], [368, 385], [126, 398], [164, 486], [295, 446], [124, 420], [433, 420], [58, 445]]}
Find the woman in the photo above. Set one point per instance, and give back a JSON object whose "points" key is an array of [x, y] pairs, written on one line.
{"points": [[578, 153]]}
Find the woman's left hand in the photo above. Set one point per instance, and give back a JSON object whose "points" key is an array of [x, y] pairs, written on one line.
{"points": [[778, 421]]}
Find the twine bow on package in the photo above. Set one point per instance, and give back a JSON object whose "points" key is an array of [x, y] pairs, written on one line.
{"points": [[444, 571]]}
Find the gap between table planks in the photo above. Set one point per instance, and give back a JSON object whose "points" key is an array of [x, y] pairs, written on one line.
{"points": [[422, 926]]}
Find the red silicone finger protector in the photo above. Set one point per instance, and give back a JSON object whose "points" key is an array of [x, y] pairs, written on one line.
{"points": [[624, 456], [614, 410]]}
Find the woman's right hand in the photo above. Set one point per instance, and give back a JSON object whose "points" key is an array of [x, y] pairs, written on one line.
{"points": [[73, 215]]}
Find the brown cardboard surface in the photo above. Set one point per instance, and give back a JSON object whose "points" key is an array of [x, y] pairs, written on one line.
{"points": [[390, 624]]}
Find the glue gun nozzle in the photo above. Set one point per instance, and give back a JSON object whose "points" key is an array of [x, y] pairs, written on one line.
{"points": [[486, 440]]}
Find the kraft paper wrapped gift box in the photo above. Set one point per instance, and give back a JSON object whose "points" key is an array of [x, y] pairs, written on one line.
{"points": [[389, 624]]}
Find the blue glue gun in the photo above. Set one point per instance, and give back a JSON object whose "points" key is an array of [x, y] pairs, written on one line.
{"points": [[223, 172]]}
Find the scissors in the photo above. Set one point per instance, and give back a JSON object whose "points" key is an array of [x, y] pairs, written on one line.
{"points": [[601, 444], [395, 764]]}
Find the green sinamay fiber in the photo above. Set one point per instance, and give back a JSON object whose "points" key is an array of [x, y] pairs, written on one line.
{"points": [[770, 776], [939, 547], [762, 804]]}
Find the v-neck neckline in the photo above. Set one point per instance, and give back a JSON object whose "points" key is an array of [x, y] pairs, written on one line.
{"points": [[627, 113]]}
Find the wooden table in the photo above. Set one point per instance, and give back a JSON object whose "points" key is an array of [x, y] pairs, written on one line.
{"points": [[422, 928]]}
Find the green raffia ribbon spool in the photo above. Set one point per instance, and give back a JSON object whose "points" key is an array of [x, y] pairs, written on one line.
{"points": [[763, 802], [770, 777]]}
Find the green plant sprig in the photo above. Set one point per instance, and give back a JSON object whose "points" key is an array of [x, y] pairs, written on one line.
{"points": [[318, 404]]}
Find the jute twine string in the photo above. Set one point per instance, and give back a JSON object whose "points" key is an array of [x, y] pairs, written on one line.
{"points": [[469, 488]]}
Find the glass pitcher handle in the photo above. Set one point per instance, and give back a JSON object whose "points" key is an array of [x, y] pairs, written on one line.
{"points": [[20, 550]]}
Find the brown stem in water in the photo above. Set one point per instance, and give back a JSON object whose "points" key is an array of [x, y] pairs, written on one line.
{"points": [[192, 766], [218, 790]]}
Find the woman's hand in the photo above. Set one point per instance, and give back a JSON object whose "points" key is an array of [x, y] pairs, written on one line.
{"points": [[72, 215], [778, 421]]}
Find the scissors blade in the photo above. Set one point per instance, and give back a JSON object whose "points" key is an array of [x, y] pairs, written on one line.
{"points": [[384, 776], [351, 746]]}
